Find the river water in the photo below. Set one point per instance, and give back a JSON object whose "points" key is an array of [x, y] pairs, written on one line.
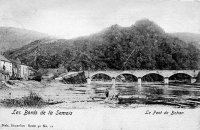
{"points": [[180, 95]]}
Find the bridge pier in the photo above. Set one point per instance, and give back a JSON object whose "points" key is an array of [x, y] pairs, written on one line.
{"points": [[139, 80], [88, 80], [113, 82], [166, 80], [193, 79]]}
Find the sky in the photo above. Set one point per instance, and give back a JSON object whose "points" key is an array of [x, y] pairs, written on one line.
{"points": [[74, 18]]}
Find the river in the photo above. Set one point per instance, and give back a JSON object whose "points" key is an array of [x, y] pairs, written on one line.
{"points": [[180, 95]]}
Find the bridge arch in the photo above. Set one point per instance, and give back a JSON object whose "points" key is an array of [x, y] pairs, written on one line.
{"points": [[180, 77], [127, 76], [100, 73], [184, 73], [153, 77]]}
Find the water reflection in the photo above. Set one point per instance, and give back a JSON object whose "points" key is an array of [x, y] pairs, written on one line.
{"points": [[177, 95]]}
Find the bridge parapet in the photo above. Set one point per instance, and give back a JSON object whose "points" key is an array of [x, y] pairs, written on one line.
{"points": [[141, 73]]}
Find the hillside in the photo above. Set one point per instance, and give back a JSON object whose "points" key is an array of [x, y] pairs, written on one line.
{"points": [[150, 48], [12, 38]]}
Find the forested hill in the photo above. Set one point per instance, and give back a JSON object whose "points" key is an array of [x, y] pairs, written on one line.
{"points": [[145, 43], [12, 38]]}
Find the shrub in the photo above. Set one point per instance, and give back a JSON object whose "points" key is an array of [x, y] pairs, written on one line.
{"points": [[32, 100]]}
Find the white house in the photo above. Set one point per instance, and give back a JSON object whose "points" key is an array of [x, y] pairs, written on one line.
{"points": [[5, 65]]}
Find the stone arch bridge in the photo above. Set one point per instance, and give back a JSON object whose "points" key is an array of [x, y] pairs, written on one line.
{"points": [[166, 74]]}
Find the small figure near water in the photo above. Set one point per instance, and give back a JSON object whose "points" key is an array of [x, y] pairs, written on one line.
{"points": [[114, 96], [111, 96], [106, 93], [117, 95]]}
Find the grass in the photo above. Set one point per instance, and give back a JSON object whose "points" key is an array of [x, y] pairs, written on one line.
{"points": [[32, 100]]}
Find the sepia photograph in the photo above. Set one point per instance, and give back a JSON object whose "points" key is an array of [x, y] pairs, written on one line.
{"points": [[100, 64]]}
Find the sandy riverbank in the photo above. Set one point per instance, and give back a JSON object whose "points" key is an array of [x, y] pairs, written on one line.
{"points": [[66, 95]]}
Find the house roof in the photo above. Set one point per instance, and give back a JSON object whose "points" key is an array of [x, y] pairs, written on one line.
{"points": [[15, 61], [3, 58]]}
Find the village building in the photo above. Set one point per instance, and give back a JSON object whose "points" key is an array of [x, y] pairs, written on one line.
{"points": [[24, 74], [16, 64], [4, 76], [5, 68], [14, 69], [21, 71]]}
